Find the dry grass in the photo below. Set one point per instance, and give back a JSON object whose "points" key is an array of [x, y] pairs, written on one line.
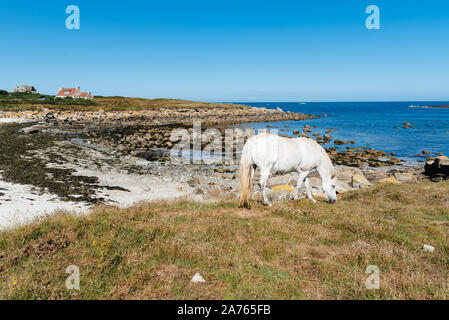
{"points": [[122, 103], [22, 102], [293, 250]]}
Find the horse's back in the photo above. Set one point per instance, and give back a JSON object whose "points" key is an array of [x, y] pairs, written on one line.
{"points": [[263, 148], [284, 154], [278, 153], [312, 152]]}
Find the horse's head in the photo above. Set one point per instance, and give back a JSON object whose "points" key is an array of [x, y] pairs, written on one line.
{"points": [[329, 189]]}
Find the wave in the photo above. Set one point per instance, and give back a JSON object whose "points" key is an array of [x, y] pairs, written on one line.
{"points": [[423, 107]]}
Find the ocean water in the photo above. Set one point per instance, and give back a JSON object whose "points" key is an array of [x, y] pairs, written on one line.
{"points": [[374, 124]]}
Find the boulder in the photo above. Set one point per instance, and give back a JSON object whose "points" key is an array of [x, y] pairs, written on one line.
{"points": [[147, 155], [345, 174], [341, 187], [389, 180], [280, 180], [374, 176], [438, 165], [282, 192], [192, 182], [359, 181], [33, 129], [339, 142], [284, 188], [405, 177]]}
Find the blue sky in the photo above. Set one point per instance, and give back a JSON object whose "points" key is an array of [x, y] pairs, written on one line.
{"points": [[230, 50]]}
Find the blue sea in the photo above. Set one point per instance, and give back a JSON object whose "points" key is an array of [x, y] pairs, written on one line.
{"points": [[374, 125]]}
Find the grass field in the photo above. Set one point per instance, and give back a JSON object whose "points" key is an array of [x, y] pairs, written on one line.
{"points": [[293, 250], [23, 101]]}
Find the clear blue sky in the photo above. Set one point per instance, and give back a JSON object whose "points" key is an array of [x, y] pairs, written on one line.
{"points": [[230, 50]]}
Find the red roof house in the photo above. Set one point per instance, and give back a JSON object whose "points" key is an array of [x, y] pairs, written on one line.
{"points": [[73, 93]]}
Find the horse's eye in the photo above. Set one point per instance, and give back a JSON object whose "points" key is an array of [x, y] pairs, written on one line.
{"points": [[333, 186]]}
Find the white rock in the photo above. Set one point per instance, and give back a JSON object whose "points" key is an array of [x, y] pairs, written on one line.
{"points": [[197, 278], [427, 248]]}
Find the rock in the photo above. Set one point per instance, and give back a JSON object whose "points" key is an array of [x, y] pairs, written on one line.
{"points": [[389, 180], [407, 125], [49, 116], [437, 178], [284, 187], [228, 175], [199, 191], [345, 174], [405, 177], [279, 180], [147, 155], [358, 181], [438, 165], [341, 187], [428, 248], [339, 142], [282, 192], [201, 180], [33, 129], [374, 176], [197, 278], [192, 183]]}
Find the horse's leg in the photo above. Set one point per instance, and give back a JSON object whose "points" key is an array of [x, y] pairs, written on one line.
{"points": [[301, 177], [309, 194], [264, 174]]}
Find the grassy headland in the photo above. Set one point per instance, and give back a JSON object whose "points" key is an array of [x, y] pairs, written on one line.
{"points": [[29, 101], [293, 250]]}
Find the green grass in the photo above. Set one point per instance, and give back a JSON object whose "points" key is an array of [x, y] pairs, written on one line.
{"points": [[293, 250], [37, 102]]}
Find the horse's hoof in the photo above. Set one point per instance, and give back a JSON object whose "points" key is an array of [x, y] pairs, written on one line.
{"points": [[267, 204]]}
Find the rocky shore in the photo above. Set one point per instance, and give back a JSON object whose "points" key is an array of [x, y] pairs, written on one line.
{"points": [[121, 157], [173, 116]]}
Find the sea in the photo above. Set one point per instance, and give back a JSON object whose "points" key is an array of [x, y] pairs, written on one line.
{"points": [[376, 125]]}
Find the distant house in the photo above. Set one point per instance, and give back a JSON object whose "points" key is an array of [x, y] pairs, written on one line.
{"points": [[74, 93], [25, 89]]}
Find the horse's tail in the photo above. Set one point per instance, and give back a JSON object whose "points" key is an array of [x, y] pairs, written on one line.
{"points": [[246, 185]]}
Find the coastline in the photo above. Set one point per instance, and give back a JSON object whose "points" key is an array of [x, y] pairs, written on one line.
{"points": [[86, 159]]}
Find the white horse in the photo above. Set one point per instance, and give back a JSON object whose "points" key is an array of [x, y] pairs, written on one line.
{"points": [[272, 154]]}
